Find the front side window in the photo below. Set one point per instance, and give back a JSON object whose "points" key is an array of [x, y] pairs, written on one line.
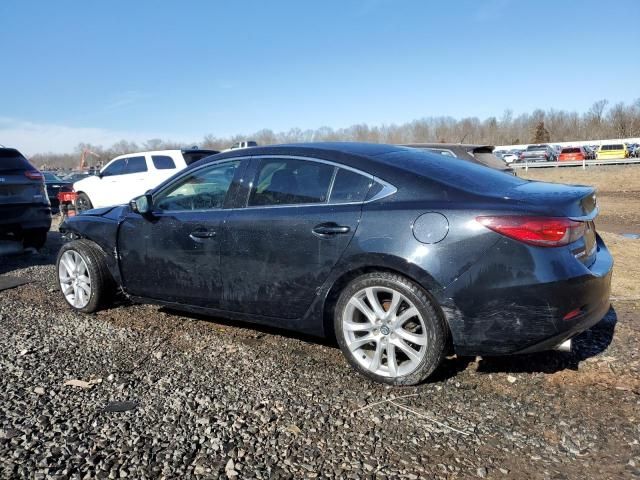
{"points": [[203, 189], [282, 181], [163, 162], [114, 168]]}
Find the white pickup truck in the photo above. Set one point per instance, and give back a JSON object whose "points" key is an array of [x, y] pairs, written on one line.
{"points": [[131, 175]]}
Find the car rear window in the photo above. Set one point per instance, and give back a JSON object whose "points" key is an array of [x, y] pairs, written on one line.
{"points": [[195, 155], [163, 162], [459, 174], [570, 150], [613, 147], [536, 147], [11, 160]]}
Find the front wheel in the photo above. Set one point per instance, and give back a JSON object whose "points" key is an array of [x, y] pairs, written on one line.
{"points": [[83, 276], [389, 329]]}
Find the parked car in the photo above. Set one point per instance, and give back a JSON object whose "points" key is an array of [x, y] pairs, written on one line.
{"points": [[632, 148], [538, 153], [615, 150], [130, 175], [398, 252], [480, 154], [73, 177], [573, 154], [25, 211], [55, 185], [511, 157]]}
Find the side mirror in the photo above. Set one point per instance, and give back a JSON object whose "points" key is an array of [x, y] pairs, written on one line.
{"points": [[142, 204]]}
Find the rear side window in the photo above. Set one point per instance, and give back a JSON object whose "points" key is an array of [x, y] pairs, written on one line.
{"points": [[163, 162], [135, 165], [11, 159], [349, 186], [291, 182]]}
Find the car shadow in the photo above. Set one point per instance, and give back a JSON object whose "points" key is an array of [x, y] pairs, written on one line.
{"points": [[588, 344], [258, 330], [14, 257]]}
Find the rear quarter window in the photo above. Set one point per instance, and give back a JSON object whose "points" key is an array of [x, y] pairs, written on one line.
{"points": [[349, 187]]}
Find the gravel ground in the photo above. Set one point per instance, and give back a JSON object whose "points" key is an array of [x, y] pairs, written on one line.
{"points": [[174, 396]]}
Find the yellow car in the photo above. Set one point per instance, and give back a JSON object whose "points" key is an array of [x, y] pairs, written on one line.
{"points": [[615, 150]]}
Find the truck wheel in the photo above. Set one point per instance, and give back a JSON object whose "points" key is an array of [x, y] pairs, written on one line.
{"points": [[83, 203]]}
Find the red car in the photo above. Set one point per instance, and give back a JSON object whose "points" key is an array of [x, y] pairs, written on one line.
{"points": [[573, 154]]}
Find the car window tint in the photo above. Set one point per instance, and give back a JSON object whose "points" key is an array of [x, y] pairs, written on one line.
{"points": [[163, 162], [349, 186], [290, 182], [135, 165], [204, 189], [114, 168]]}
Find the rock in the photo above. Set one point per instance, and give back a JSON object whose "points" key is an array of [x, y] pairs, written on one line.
{"points": [[481, 472], [39, 390]]}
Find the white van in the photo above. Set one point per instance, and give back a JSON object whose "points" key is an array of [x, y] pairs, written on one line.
{"points": [[131, 175]]}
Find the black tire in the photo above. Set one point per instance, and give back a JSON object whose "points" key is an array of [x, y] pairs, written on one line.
{"points": [[103, 286], [83, 202], [35, 238], [437, 329]]}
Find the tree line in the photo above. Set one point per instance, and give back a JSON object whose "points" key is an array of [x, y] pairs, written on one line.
{"points": [[602, 120]]}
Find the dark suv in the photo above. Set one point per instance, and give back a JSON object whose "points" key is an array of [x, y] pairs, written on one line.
{"points": [[25, 211]]}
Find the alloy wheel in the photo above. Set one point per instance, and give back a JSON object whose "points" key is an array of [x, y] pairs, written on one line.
{"points": [[384, 332], [75, 280]]}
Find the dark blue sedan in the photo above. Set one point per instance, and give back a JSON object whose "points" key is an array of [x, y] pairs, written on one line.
{"points": [[402, 255]]}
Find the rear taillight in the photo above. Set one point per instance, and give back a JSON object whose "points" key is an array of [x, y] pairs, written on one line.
{"points": [[33, 175], [539, 231], [67, 196]]}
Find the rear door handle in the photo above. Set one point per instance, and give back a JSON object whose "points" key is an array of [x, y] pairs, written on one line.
{"points": [[327, 229], [200, 234]]}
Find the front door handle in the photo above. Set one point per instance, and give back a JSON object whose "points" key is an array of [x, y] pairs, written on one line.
{"points": [[327, 229], [200, 234]]}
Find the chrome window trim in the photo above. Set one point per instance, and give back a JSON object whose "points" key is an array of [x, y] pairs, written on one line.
{"points": [[387, 188]]}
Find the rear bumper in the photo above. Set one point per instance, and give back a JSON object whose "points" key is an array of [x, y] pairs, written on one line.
{"points": [[523, 317], [15, 218]]}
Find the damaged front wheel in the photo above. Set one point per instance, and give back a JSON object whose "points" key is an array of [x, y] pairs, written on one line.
{"points": [[83, 276]]}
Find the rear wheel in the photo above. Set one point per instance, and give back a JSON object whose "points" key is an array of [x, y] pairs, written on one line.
{"points": [[83, 276], [389, 329], [83, 202], [35, 238]]}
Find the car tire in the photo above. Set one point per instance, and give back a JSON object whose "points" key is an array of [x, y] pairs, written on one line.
{"points": [[90, 262], [386, 358], [83, 202], [35, 238]]}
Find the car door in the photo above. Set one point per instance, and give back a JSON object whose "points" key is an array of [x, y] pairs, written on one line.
{"points": [[101, 193], [298, 220], [173, 254]]}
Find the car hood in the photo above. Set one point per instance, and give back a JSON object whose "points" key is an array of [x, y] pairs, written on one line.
{"points": [[113, 212]]}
